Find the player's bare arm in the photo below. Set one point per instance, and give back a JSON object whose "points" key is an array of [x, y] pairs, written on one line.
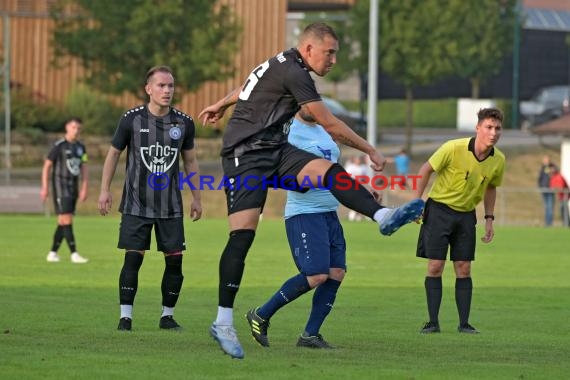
{"points": [[215, 112], [84, 182], [342, 133], [191, 166], [489, 206], [424, 173], [105, 201], [44, 192]]}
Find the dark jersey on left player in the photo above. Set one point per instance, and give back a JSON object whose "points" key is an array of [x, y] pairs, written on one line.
{"points": [[271, 95], [154, 145], [67, 158]]}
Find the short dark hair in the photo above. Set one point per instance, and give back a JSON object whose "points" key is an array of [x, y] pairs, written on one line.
{"points": [[489, 113], [319, 30], [157, 69], [73, 119]]}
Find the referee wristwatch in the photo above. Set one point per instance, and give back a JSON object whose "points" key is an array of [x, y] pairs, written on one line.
{"points": [[489, 216]]}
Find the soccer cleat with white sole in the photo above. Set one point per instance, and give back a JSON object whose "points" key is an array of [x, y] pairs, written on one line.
{"points": [[226, 337], [53, 257], [76, 258], [399, 216]]}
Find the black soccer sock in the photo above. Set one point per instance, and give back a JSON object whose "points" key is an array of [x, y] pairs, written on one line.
{"points": [[350, 193], [171, 280], [232, 264], [57, 238], [68, 234], [433, 295], [129, 278], [463, 294]]}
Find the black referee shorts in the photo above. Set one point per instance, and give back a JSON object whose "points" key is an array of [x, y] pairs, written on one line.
{"points": [[135, 233], [445, 228], [256, 171]]}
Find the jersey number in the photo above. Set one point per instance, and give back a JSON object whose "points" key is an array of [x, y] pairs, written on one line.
{"points": [[252, 80]]}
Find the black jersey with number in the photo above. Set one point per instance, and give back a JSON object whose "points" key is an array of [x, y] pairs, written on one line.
{"points": [[67, 158], [154, 145], [270, 97]]}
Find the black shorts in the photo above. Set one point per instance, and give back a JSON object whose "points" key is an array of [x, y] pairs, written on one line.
{"points": [[445, 228], [64, 205], [256, 171], [135, 233]]}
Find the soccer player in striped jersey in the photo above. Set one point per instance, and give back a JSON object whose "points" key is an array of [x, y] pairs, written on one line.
{"points": [[155, 136]]}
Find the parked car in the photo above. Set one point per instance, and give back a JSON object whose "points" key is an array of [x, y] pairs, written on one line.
{"points": [[547, 104], [353, 119]]}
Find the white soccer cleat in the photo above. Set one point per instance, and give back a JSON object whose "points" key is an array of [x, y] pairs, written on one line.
{"points": [[226, 337], [397, 217], [76, 258], [53, 257]]}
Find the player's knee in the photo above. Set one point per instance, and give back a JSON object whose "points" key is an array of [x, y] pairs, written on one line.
{"points": [[133, 260], [173, 264], [317, 279], [240, 242], [337, 274]]}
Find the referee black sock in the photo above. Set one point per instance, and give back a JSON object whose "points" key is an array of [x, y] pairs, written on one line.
{"points": [[129, 278], [68, 234], [57, 238], [232, 264], [171, 280], [348, 192], [433, 295], [463, 294]]}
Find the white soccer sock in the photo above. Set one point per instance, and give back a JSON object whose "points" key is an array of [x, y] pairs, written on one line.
{"points": [[225, 316], [381, 214], [167, 311], [127, 311]]}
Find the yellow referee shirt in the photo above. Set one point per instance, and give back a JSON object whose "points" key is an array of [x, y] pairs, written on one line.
{"points": [[461, 178]]}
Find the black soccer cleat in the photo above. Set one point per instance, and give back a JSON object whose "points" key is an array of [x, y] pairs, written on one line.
{"points": [[466, 328], [125, 324], [313, 342], [258, 327], [430, 328], [168, 323]]}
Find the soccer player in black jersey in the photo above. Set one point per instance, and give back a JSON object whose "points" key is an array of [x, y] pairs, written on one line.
{"points": [[155, 135], [255, 146], [67, 162]]}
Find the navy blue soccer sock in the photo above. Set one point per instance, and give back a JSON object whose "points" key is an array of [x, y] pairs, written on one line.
{"points": [[292, 289], [323, 301], [57, 238]]}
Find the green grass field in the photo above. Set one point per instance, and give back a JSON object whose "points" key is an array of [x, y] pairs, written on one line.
{"points": [[59, 320]]}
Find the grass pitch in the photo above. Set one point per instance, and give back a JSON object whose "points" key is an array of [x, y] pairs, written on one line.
{"points": [[59, 320]]}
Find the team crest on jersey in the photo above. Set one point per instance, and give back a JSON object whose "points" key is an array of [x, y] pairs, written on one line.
{"points": [[73, 165], [327, 154], [287, 127], [175, 133], [158, 158]]}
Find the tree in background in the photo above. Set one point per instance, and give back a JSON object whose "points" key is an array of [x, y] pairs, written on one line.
{"points": [[421, 42], [484, 35], [117, 41]]}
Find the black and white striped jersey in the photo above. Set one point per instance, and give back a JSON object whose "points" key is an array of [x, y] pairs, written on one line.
{"points": [[67, 158]]}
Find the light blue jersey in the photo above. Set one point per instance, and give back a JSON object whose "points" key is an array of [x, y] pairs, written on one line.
{"points": [[316, 140]]}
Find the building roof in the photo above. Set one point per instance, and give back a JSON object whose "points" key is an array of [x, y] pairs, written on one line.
{"points": [[560, 126], [547, 19]]}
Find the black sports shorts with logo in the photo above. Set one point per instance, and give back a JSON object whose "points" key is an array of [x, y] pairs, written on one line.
{"points": [[445, 228], [135, 233], [255, 171], [65, 205]]}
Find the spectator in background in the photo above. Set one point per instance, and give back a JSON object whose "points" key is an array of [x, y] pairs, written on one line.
{"points": [[402, 163], [67, 158], [546, 170], [557, 182]]}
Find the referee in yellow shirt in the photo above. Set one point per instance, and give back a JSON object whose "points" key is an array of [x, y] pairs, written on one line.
{"points": [[468, 170]]}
